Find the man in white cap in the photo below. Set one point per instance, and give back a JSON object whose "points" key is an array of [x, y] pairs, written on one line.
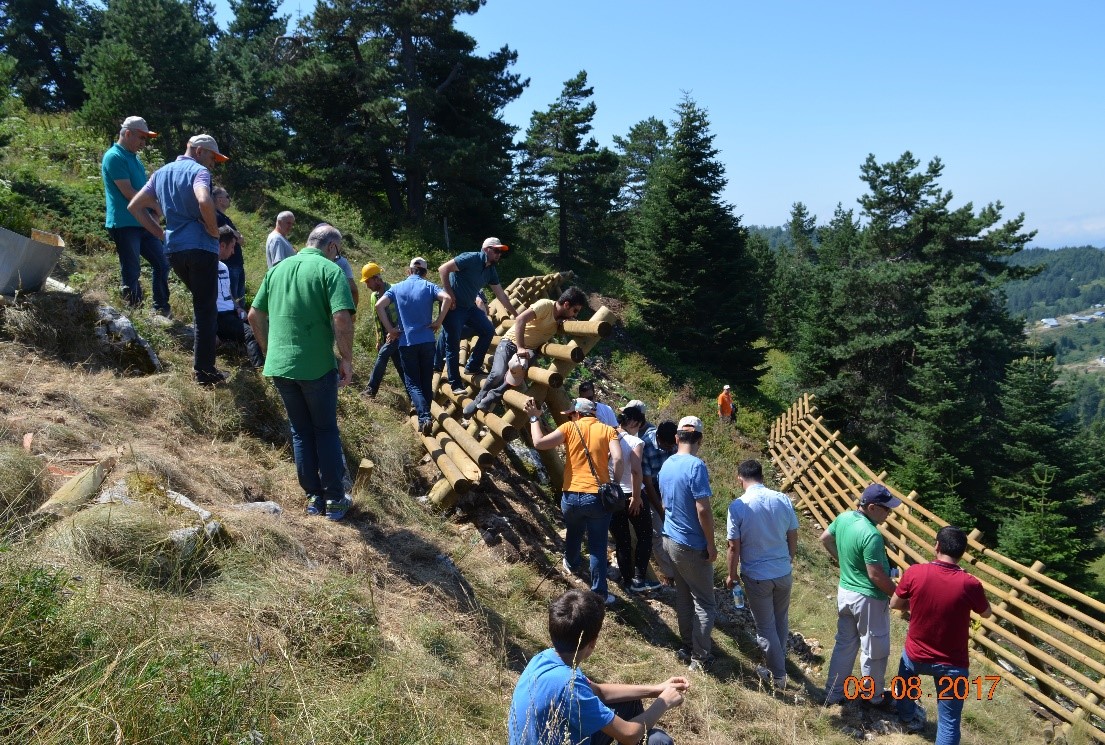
{"points": [[414, 302], [583, 435], [863, 596], [182, 191], [689, 543], [725, 410], [463, 277], [123, 175]]}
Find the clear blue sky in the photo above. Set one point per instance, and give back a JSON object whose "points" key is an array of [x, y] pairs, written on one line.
{"points": [[1010, 95]]}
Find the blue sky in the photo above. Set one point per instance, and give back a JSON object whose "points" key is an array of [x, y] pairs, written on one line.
{"points": [[1009, 95]]}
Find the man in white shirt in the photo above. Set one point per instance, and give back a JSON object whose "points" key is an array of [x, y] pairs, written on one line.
{"points": [[603, 412]]}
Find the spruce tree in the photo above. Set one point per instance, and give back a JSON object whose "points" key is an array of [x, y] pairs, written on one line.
{"points": [[693, 276]]}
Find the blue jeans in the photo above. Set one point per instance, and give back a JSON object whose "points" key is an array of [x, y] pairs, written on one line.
{"points": [[584, 513], [199, 270], [133, 244], [237, 281], [418, 376], [388, 351], [312, 407], [454, 326], [949, 710]]}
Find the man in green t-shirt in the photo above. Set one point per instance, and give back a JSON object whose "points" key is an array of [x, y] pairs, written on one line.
{"points": [[302, 308], [863, 596]]}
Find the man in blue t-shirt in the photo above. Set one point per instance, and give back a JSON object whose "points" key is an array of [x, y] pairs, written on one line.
{"points": [[182, 191], [123, 176], [414, 301], [689, 543], [555, 704], [762, 529], [463, 277]]}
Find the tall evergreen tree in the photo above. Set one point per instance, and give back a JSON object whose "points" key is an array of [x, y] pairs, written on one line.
{"points": [[570, 182], [154, 60], [246, 96], [391, 98], [788, 287], [688, 255], [46, 38], [1044, 499]]}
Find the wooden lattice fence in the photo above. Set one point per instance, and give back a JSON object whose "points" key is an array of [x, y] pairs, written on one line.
{"points": [[1046, 635]]}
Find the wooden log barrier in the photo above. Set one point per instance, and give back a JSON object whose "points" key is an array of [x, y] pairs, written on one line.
{"points": [[457, 480], [442, 495], [551, 378], [599, 329], [466, 442], [570, 352], [467, 466]]}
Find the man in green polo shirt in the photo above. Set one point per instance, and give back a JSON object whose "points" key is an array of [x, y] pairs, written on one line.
{"points": [[301, 310], [863, 597]]}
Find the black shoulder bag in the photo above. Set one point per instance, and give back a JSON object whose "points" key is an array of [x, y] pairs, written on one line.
{"points": [[611, 495]]}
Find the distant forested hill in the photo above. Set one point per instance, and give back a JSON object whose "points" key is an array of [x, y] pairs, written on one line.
{"points": [[1072, 280]]}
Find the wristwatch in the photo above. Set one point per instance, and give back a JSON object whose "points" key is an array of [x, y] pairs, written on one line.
{"points": [[532, 419]]}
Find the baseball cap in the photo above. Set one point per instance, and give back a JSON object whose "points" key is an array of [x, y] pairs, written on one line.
{"points": [[138, 124], [691, 423], [370, 270], [635, 404], [725, 387], [207, 142], [879, 494], [419, 262], [584, 406], [495, 243]]}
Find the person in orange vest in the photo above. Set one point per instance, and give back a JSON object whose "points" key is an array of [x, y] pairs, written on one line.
{"points": [[725, 409]]}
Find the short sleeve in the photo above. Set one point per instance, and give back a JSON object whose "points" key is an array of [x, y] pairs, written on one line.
{"points": [[905, 586], [977, 596], [115, 168], [340, 296], [874, 550], [261, 299], [732, 523], [700, 481]]}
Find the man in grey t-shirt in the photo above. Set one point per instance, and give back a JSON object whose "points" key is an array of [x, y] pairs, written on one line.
{"points": [[277, 245]]}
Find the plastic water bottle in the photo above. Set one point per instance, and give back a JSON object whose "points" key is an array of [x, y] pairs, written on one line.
{"points": [[738, 596]]}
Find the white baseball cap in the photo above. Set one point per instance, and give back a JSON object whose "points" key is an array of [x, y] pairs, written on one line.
{"points": [[690, 423]]}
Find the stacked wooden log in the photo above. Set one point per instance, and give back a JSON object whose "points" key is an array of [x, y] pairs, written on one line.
{"points": [[463, 453]]}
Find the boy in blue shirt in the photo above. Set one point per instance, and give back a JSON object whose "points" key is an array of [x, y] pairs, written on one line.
{"points": [[555, 704]]}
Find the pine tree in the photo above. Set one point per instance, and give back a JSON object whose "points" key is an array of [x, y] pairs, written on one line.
{"points": [[789, 285], [44, 38], [154, 60], [567, 197], [688, 257], [1043, 502]]}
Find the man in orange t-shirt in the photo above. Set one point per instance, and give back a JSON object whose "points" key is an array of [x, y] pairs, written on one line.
{"points": [[583, 512], [725, 409]]}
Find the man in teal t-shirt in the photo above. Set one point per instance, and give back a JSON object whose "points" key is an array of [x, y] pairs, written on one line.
{"points": [[123, 176], [863, 596], [301, 310]]}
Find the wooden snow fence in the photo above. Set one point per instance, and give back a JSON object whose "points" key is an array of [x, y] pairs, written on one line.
{"points": [[463, 453], [1046, 636]]}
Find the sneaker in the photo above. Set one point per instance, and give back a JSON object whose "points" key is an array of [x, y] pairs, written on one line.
{"points": [[611, 599], [212, 378], [701, 664], [885, 705], [469, 409], [683, 654], [916, 722], [370, 392], [314, 505], [477, 370], [337, 509], [567, 569], [644, 585], [459, 390], [769, 680], [427, 427]]}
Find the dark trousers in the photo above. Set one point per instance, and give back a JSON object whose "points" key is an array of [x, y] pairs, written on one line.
{"points": [[133, 244], [494, 385], [233, 329], [628, 710], [454, 324], [199, 271], [237, 281], [632, 563], [389, 350], [418, 376]]}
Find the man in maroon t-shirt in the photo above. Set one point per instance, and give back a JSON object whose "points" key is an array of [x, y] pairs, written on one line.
{"points": [[939, 597]]}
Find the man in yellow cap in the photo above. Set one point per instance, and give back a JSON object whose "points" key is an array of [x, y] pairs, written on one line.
{"points": [[386, 350]]}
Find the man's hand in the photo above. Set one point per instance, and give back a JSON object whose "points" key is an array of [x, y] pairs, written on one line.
{"points": [[634, 507], [711, 551], [345, 373], [671, 696], [394, 335], [531, 408], [679, 683], [729, 582]]}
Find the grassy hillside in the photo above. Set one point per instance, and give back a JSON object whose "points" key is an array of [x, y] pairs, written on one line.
{"points": [[396, 626]]}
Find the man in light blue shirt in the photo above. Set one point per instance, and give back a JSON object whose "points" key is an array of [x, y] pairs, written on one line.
{"points": [[689, 542], [762, 528], [414, 300]]}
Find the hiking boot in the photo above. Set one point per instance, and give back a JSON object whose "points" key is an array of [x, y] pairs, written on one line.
{"points": [[683, 654], [769, 680], [469, 410], [427, 427], [337, 509], [315, 505], [645, 584], [701, 664], [218, 377], [370, 392]]}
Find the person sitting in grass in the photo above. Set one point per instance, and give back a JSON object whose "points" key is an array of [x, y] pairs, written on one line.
{"points": [[554, 703]]}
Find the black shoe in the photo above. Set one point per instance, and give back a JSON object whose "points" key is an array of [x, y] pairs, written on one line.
{"points": [[427, 427], [212, 379], [370, 392]]}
